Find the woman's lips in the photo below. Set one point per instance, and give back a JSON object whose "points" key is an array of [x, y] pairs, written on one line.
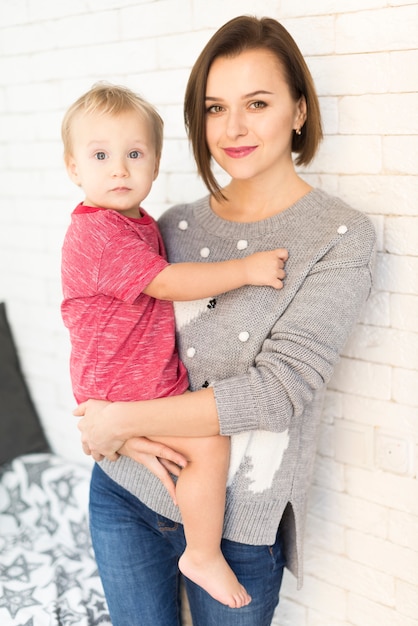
{"points": [[239, 153]]}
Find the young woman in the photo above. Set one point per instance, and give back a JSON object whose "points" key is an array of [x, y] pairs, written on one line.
{"points": [[258, 359]]}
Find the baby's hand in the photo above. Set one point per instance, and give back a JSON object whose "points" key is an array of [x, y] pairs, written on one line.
{"points": [[267, 268]]}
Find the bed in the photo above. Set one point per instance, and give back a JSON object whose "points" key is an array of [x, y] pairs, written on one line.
{"points": [[48, 574]]}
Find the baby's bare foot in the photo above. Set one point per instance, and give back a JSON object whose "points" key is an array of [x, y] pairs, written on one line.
{"points": [[217, 578]]}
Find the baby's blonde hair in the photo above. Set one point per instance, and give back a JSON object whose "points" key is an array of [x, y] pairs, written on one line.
{"points": [[113, 100]]}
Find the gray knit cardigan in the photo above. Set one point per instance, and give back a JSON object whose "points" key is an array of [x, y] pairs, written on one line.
{"points": [[268, 355]]}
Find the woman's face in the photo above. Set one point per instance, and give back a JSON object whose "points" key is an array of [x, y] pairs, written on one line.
{"points": [[251, 115]]}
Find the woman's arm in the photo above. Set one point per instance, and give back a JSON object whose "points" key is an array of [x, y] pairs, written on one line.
{"points": [[106, 426]]}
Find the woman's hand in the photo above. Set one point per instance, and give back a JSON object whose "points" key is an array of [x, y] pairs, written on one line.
{"points": [[97, 434], [158, 458], [98, 440]]}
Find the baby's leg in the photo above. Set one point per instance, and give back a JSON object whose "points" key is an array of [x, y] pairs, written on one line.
{"points": [[200, 493]]}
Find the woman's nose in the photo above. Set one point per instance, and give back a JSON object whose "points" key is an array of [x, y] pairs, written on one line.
{"points": [[236, 125]]}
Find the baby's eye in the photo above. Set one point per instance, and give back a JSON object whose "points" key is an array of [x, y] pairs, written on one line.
{"points": [[135, 154], [100, 156]]}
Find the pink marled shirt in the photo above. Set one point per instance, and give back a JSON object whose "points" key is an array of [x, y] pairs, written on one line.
{"points": [[123, 341]]}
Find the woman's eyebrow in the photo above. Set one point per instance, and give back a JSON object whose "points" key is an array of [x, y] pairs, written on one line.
{"points": [[252, 94]]}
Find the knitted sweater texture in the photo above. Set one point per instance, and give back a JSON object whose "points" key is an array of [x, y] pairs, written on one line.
{"points": [[267, 353]]}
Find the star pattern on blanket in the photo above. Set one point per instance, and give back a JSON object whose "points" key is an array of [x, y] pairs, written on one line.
{"points": [[46, 519], [28, 623], [60, 550], [17, 505], [96, 609], [48, 574], [35, 471], [13, 600], [81, 534], [65, 614], [67, 580], [64, 490], [20, 569]]}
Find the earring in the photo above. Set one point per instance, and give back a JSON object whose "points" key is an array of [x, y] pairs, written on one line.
{"points": [[298, 131]]}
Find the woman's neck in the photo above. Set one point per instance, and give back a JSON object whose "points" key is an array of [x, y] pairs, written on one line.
{"points": [[249, 201]]}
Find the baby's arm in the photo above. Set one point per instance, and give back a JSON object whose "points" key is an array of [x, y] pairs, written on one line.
{"points": [[191, 281]]}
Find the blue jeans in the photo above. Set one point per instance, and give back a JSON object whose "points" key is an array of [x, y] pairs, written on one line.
{"points": [[137, 552]]}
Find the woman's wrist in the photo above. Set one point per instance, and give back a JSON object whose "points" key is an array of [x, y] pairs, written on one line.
{"points": [[117, 415]]}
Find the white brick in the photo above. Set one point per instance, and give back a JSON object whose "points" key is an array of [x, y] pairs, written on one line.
{"points": [[302, 30], [404, 312], [349, 512], [398, 155], [329, 113], [322, 535], [289, 613], [403, 530], [393, 453], [152, 19], [332, 407], [182, 49], [215, 13], [354, 443], [405, 387], [396, 274], [377, 311], [367, 115], [383, 488], [383, 29], [329, 474], [162, 87], [315, 618], [62, 33], [322, 596], [407, 599], [349, 154], [350, 74], [13, 13], [384, 556], [395, 195], [302, 8], [364, 612], [381, 414], [402, 235], [383, 345], [360, 378], [349, 575], [400, 75]]}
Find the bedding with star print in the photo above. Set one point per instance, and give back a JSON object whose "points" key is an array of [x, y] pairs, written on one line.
{"points": [[48, 574]]}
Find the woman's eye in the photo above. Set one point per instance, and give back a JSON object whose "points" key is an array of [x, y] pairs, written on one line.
{"points": [[135, 154], [258, 105], [215, 108], [100, 156]]}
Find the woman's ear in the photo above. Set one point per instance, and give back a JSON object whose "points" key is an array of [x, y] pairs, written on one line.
{"points": [[301, 113]]}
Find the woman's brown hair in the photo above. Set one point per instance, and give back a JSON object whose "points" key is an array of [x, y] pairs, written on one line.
{"points": [[250, 33]]}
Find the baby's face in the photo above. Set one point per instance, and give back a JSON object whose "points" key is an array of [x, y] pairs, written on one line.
{"points": [[113, 160]]}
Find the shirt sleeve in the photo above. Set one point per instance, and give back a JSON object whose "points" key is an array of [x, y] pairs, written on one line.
{"points": [[300, 353], [128, 264]]}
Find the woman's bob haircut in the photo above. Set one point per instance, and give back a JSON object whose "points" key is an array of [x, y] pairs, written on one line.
{"points": [[236, 36]]}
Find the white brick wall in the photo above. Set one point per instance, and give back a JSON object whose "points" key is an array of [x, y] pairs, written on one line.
{"points": [[362, 531]]}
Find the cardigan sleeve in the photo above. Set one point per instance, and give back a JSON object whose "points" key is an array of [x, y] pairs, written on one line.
{"points": [[298, 357]]}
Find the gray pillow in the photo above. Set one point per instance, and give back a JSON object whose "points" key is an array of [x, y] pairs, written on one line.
{"points": [[20, 428]]}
